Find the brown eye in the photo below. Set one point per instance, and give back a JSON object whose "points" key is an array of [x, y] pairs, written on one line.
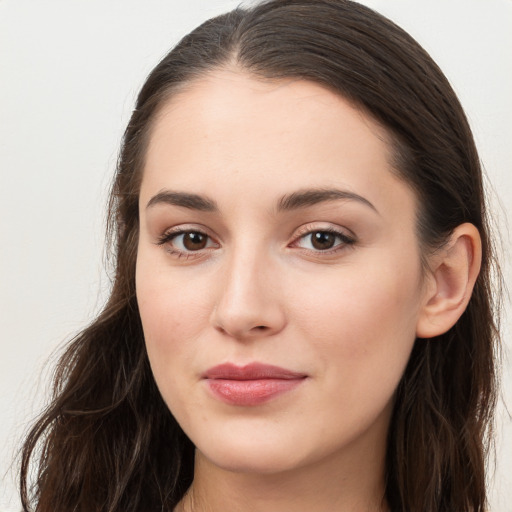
{"points": [[322, 240], [187, 241], [194, 241]]}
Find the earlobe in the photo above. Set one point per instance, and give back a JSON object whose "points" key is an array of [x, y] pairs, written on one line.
{"points": [[454, 272]]}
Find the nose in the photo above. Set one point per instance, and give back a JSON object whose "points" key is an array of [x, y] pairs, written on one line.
{"points": [[249, 301]]}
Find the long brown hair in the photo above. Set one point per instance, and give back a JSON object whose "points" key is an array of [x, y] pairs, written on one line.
{"points": [[107, 441]]}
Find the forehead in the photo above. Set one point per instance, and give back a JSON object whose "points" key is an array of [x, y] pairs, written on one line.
{"points": [[232, 131], [225, 99]]}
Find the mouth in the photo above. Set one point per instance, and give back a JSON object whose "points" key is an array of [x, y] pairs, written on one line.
{"points": [[250, 385]]}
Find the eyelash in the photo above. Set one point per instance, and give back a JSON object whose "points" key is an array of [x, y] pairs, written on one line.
{"points": [[345, 241], [169, 236]]}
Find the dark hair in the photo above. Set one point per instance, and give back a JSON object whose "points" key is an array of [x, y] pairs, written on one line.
{"points": [[107, 441]]}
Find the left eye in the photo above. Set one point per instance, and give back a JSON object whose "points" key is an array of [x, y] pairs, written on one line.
{"points": [[323, 240], [190, 241]]}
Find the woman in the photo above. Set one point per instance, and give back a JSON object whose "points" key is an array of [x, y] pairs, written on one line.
{"points": [[301, 317]]}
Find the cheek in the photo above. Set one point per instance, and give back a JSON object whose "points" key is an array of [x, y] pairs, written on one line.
{"points": [[173, 315], [362, 324]]}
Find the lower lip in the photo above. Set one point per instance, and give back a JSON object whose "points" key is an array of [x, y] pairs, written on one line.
{"points": [[251, 392]]}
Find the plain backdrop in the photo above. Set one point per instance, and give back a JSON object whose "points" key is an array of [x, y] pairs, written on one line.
{"points": [[69, 74]]}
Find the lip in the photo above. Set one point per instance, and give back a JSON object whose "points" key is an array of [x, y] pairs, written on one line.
{"points": [[252, 384]]}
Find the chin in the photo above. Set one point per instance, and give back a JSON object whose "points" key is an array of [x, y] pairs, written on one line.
{"points": [[256, 460], [262, 451]]}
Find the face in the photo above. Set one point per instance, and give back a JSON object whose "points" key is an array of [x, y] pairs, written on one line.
{"points": [[278, 273]]}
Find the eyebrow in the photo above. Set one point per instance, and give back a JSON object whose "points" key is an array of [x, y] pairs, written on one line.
{"points": [[289, 202], [185, 200], [311, 197]]}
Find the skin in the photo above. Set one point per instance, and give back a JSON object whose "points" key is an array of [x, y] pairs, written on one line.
{"points": [[260, 291]]}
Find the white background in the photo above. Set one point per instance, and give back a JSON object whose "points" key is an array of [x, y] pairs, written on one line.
{"points": [[69, 73]]}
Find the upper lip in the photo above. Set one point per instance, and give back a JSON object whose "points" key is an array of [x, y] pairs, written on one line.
{"points": [[252, 371]]}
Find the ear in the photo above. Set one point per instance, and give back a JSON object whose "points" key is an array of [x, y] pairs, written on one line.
{"points": [[454, 270]]}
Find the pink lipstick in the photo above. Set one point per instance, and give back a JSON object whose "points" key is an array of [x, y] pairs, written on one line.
{"points": [[252, 384]]}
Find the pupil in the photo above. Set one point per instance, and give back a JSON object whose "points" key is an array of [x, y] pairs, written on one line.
{"points": [[323, 240], [194, 241]]}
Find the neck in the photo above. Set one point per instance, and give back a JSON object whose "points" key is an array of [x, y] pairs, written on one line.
{"points": [[347, 482]]}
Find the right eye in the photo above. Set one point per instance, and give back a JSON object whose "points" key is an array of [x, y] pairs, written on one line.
{"points": [[185, 242]]}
